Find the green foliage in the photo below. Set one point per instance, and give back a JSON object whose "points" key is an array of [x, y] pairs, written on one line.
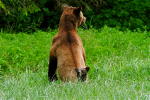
{"points": [[130, 14], [17, 14], [119, 66], [30, 15]]}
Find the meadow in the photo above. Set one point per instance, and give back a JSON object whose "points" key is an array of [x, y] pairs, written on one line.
{"points": [[119, 66]]}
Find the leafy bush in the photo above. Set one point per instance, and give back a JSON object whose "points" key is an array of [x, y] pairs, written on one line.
{"points": [[28, 15]]}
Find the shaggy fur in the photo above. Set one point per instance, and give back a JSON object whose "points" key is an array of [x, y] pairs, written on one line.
{"points": [[67, 55]]}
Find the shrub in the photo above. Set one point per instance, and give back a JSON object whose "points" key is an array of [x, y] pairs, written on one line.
{"points": [[29, 15]]}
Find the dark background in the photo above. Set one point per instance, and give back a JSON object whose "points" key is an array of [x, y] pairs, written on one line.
{"points": [[30, 15]]}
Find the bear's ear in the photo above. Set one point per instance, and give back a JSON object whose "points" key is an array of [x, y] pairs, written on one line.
{"points": [[77, 11], [64, 6]]}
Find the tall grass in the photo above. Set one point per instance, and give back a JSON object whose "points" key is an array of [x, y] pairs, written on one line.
{"points": [[119, 62]]}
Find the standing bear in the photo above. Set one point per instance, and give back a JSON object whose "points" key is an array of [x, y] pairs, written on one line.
{"points": [[67, 55]]}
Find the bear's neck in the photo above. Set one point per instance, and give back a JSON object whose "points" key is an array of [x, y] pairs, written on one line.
{"points": [[67, 23]]}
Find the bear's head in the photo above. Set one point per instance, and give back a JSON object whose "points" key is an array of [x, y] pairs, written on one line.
{"points": [[71, 17]]}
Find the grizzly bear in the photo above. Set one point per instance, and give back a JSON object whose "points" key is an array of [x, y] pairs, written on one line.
{"points": [[67, 55]]}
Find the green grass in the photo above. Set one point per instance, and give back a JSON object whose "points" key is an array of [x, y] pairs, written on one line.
{"points": [[119, 62]]}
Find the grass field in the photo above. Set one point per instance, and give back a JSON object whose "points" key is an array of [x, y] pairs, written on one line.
{"points": [[119, 62]]}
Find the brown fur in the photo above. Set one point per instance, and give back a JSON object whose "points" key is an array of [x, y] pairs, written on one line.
{"points": [[67, 55]]}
